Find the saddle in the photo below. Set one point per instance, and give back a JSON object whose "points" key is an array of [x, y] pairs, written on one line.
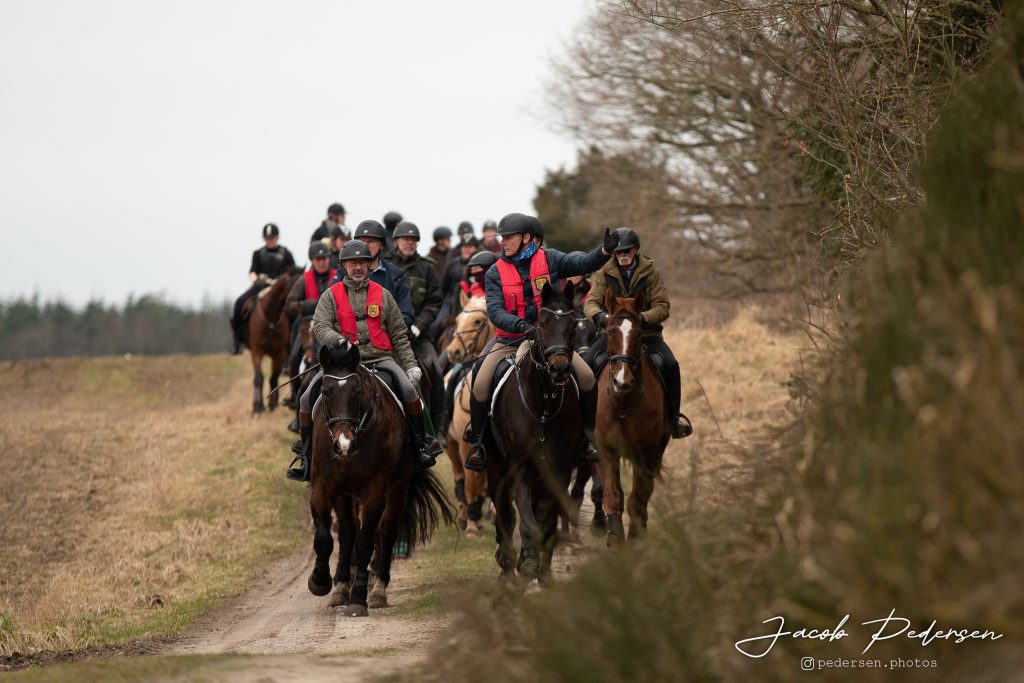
{"points": [[388, 381]]}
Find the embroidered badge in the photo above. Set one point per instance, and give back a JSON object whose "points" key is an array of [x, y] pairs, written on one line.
{"points": [[539, 283], [373, 310]]}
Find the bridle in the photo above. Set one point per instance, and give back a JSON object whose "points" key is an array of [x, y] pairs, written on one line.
{"points": [[553, 399], [476, 334], [634, 364], [554, 350], [355, 424]]}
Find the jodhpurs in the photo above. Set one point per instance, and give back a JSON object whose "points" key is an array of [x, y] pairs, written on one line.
{"points": [[485, 369]]}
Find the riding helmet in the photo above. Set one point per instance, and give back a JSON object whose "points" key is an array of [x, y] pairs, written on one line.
{"points": [[338, 231], [392, 218], [627, 239], [354, 249], [465, 228], [319, 250], [490, 225], [406, 229], [484, 259], [370, 228], [270, 230], [442, 233], [470, 242], [516, 223], [335, 209]]}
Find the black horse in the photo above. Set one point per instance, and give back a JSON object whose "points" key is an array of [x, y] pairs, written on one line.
{"points": [[535, 439], [363, 470]]}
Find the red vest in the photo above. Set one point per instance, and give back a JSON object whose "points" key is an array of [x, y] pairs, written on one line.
{"points": [[477, 289], [512, 287], [374, 308], [312, 293]]}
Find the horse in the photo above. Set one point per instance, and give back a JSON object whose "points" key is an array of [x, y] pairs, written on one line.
{"points": [[268, 335], [534, 440], [632, 422], [297, 359], [473, 330], [363, 471]]}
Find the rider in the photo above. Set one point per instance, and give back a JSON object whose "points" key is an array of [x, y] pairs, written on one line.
{"points": [[625, 275], [513, 288], [390, 220], [268, 262], [471, 286], [490, 237], [439, 251], [362, 311], [466, 234], [335, 218], [425, 292], [387, 275], [339, 235]]}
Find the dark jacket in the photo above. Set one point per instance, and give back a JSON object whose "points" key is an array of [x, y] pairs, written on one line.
{"points": [[454, 273], [424, 288], [392, 278], [440, 258], [559, 265], [272, 262], [297, 304]]}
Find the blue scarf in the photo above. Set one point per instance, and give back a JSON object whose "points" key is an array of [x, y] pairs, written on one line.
{"points": [[528, 252]]}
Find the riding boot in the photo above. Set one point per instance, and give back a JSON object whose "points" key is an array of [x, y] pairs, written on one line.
{"points": [[588, 406], [303, 450], [448, 409], [680, 429], [476, 459], [427, 448]]}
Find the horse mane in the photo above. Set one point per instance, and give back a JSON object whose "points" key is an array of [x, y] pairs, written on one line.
{"points": [[273, 302], [476, 304]]}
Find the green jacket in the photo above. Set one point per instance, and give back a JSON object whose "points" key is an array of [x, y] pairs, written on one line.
{"points": [[656, 307], [424, 288], [327, 330]]}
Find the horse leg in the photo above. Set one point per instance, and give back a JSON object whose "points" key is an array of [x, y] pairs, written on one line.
{"points": [[275, 373], [347, 530], [529, 534], [546, 512], [597, 524], [388, 533], [372, 511], [475, 496], [319, 582], [643, 487], [454, 449], [612, 503], [504, 526], [257, 384]]}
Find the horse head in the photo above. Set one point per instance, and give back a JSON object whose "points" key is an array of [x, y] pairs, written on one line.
{"points": [[472, 330], [624, 348], [342, 394], [556, 332]]}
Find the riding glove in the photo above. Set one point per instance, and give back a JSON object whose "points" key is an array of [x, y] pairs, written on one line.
{"points": [[414, 375], [600, 319], [611, 241]]}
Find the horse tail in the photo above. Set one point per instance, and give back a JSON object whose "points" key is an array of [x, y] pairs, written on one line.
{"points": [[273, 302], [426, 505]]}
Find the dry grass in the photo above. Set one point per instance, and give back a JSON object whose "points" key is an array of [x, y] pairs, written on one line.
{"points": [[136, 494]]}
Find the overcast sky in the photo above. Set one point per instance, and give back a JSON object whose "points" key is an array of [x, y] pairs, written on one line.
{"points": [[144, 144]]}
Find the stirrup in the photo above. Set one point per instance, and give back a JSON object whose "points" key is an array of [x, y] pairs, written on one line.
{"points": [[297, 473], [476, 459], [681, 430]]}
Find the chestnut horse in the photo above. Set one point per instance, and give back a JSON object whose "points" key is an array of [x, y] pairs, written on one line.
{"points": [[362, 459], [534, 440], [473, 330], [632, 422], [269, 335]]}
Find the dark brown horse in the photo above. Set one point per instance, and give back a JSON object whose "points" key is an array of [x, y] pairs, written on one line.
{"points": [[534, 440], [268, 335], [631, 419], [362, 461]]}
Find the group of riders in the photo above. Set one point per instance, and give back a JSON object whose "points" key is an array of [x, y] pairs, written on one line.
{"points": [[371, 286]]}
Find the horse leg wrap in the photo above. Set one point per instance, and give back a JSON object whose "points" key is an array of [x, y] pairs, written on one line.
{"points": [[460, 490], [475, 509]]}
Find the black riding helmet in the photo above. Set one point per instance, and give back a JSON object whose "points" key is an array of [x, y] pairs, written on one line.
{"points": [[490, 225], [369, 228], [319, 250], [627, 239], [484, 259], [354, 249], [337, 231], [335, 209], [391, 219], [517, 223], [406, 229], [442, 233], [270, 230], [465, 228]]}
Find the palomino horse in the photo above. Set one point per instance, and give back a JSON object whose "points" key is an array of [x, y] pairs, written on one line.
{"points": [[631, 419], [362, 458], [473, 330], [269, 334], [534, 440]]}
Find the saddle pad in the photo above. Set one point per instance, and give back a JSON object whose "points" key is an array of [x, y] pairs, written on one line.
{"points": [[501, 375]]}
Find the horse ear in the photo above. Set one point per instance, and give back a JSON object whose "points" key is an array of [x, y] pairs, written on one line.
{"points": [[463, 299], [569, 292], [545, 294], [325, 358], [352, 358], [608, 297]]}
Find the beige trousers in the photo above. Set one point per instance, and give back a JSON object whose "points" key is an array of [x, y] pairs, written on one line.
{"points": [[483, 381]]}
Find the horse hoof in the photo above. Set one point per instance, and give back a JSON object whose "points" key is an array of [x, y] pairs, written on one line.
{"points": [[317, 589], [355, 610], [339, 596], [472, 532], [377, 601]]}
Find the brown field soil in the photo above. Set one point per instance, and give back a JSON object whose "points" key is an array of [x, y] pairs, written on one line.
{"points": [[144, 512]]}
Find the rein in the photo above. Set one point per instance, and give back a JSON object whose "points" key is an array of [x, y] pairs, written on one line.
{"points": [[285, 383], [557, 391], [355, 424]]}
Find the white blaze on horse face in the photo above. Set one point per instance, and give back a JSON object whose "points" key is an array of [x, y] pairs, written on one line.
{"points": [[625, 327], [620, 376], [343, 443]]}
